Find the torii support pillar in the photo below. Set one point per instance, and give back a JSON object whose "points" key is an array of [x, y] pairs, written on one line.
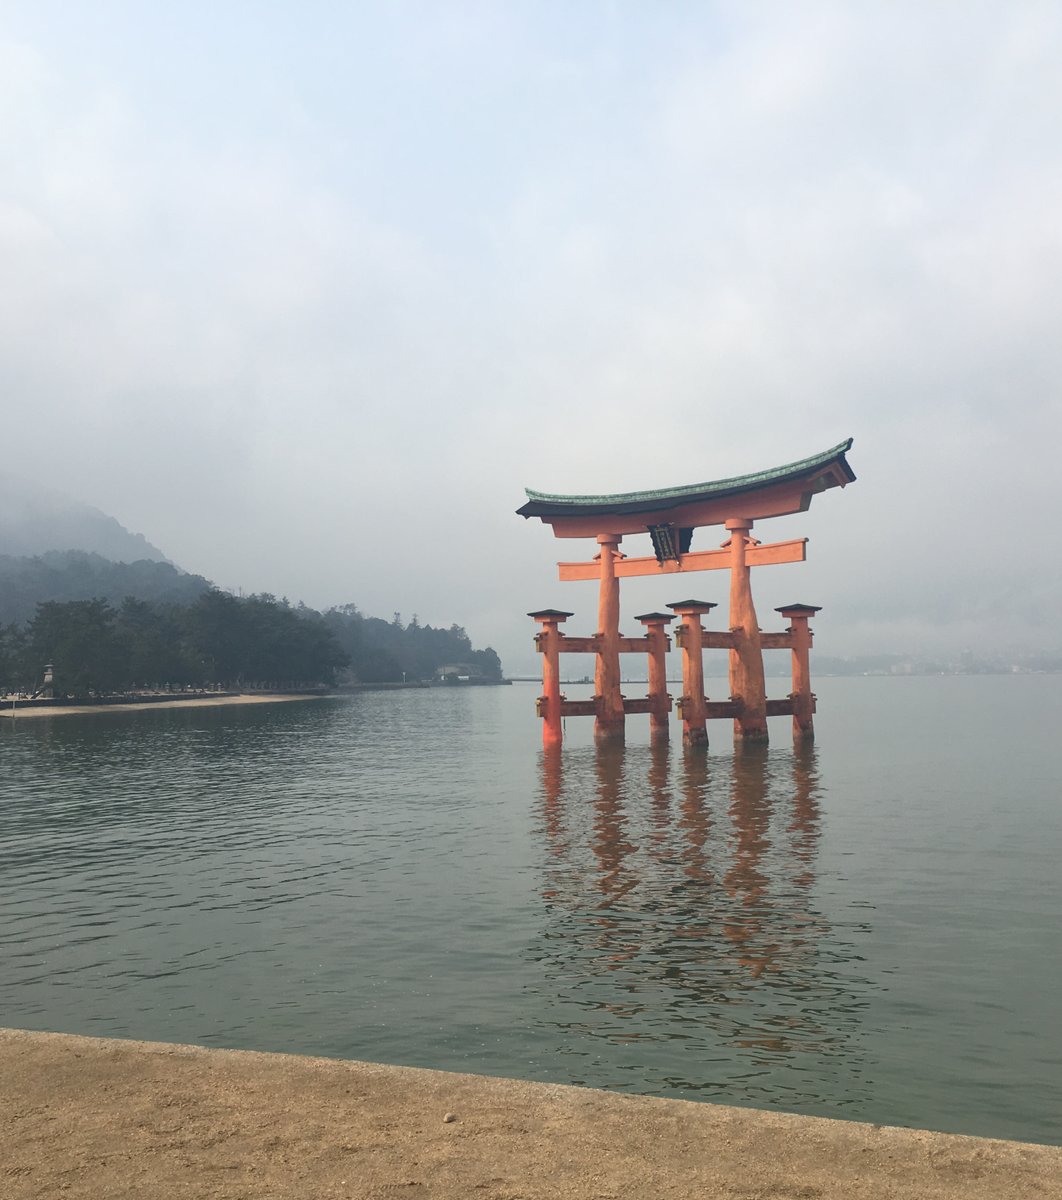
{"points": [[608, 724], [693, 707], [803, 700], [747, 684], [547, 642], [659, 700]]}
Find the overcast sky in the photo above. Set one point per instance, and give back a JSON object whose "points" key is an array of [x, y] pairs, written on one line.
{"points": [[307, 293]]}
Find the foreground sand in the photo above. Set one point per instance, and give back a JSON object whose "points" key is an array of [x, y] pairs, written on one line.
{"points": [[84, 1117], [67, 710]]}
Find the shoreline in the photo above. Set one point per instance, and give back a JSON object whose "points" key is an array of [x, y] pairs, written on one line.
{"points": [[25, 709], [91, 1117], [28, 708]]}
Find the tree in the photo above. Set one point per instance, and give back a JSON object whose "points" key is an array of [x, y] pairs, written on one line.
{"points": [[218, 637], [387, 651], [79, 638], [14, 675], [154, 646], [487, 663]]}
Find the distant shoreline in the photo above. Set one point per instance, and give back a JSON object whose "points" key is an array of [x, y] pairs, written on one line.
{"points": [[34, 708], [352, 689], [27, 708]]}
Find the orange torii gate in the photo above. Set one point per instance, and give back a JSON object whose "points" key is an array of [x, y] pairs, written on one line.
{"points": [[670, 516]]}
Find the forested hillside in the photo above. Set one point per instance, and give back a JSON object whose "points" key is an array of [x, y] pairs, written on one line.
{"points": [[114, 627], [76, 575], [97, 649], [382, 651]]}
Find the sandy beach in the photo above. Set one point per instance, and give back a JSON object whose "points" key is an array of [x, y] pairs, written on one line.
{"points": [[28, 709], [95, 1118]]}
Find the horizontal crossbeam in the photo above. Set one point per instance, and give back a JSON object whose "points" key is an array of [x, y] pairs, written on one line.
{"points": [[591, 645], [776, 641], [711, 639], [588, 708], [714, 710], [696, 560]]}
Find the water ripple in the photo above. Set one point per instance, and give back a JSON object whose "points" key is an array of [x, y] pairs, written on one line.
{"points": [[406, 877]]}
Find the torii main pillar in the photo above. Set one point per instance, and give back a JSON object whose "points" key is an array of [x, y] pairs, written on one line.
{"points": [[608, 724], [748, 688]]}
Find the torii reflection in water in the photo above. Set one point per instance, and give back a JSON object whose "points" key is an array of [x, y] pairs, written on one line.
{"points": [[680, 903]]}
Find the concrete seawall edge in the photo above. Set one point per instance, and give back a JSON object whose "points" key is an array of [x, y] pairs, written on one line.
{"points": [[90, 1117]]}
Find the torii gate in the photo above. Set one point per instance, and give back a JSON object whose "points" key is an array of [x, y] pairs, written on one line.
{"points": [[670, 516]]}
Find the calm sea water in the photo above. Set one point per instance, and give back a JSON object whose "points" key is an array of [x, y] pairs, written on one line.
{"points": [[866, 930]]}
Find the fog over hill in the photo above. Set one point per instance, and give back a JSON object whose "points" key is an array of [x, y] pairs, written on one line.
{"points": [[35, 519]]}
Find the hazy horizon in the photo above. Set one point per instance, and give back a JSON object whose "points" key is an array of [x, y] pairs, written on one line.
{"points": [[306, 297]]}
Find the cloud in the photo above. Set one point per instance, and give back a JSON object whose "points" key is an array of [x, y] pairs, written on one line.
{"points": [[311, 328]]}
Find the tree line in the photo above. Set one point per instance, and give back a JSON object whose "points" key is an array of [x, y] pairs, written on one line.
{"points": [[389, 651], [97, 647]]}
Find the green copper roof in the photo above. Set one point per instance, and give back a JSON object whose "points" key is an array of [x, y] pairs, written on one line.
{"points": [[546, 504]]}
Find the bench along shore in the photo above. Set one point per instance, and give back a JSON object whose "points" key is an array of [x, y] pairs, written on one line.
{"points": [[86, 1117]]}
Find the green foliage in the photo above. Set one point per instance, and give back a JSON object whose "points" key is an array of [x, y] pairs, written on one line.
{"points": [[155, 644], [16, 674], [75, 575], [487, 663], [218, 640], [388, 651], [221, 640], [81, 640]]}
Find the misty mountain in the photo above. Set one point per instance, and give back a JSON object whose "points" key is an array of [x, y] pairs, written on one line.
{"points": [[35, 520], [75, 575]]}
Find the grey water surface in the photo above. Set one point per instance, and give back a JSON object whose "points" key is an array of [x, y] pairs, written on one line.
{"points": [[869, 929]]}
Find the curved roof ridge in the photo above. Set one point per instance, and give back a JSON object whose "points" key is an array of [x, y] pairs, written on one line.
{"points": [[737, 482]]}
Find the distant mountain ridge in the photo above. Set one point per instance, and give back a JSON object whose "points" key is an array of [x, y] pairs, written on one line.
{"points": [[35, 520], [62, 562]]}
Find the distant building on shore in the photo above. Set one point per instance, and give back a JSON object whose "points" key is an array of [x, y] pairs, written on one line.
{"points": [[457, 673]]}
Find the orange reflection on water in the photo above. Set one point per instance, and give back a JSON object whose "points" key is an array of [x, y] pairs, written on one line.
{"points": [[689, 875]]}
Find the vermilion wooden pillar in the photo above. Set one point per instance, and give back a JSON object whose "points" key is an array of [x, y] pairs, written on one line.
{"points": [[547, 642], [608, 725], [803, 701], [659, 700], [747, 684], [692, 706]]}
